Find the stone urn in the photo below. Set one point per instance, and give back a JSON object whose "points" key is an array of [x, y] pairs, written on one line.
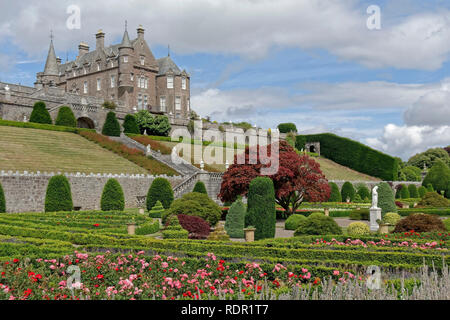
{"points": [[249, 233], [326, 211], [384, 228], [131, 228]]}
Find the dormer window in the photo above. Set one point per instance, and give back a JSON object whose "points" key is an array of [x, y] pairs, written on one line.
{"points": [[183, 83], [142, 60], [169, 82]]}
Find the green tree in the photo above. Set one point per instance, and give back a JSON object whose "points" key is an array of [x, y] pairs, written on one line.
{"points": [[261, 208], [40, 114], [363, 191], [411, 173], [130, 125], [438, 176], [66, 117], [111, 127], [2, 200], [144, 120], [112, 196], [235, 220], [430, 187], [287, 127], [386, 199], [447, 192], [161, 190], [348, 191], [159, 127], [422, 191], [200, 187], [429, 158], [58, 196], [413, 193], [335, 193], [404, 192]]}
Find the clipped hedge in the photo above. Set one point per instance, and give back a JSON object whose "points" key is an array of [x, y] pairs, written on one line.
{"points": [[354, 155], [111, 127], [161, 190], [40, 114], [130, 125], [386, 200], [287, 127], [335, 195], [112, 196], [348, 191], [58, 196], [66, 117], [358, 229], [157, 210], [2, 200], [318, 224]]}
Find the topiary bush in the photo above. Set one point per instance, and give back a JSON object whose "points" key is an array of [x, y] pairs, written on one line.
{"points": [[261, 208], [2, 200], [413, 193], [318, 225], [433, 199], [200, 187], [438, 176], [111, 127], [175, 232], [219, 235], [196, 226], [420, 223], [130, 125], [358, 229], [66, 117], [422, 191], [447, 223], [148, 228], [447, 192], [293, 221], [386, 199], [287, 127], [112, 196], [161, 190], [160, 126], [363, 191], [316, 214], [335, 193], [58, 196], [404, 192], [391, 218], [157, 210], [40, 114], [235, 219], [347, 192]]}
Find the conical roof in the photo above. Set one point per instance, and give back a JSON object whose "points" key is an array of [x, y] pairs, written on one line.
{"points": [[51, 65], [126, 43]]}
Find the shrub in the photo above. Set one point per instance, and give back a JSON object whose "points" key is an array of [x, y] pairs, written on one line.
{"points": [[111, 127], [335, 193], [109, 105], [157, 210], [318, 225], [197, 227], [411, 173], [219, 235], [398, 192], [200, 187], [358, 229], [160, 126], [66, 117], [293, 221], [261, 208], [130, 124], [404, 192], [362, 214], [287, 127], [40, 114], [363, 191], [148, 228], [175, 232], [316, 214], [386, 199], [357, 198], [161, 190], [112, 197], [2, 200], [422, 191], [433, 199], [144, 120], [430, 187], [420, 223], [391, 218], [347, 191], [447, 223], [235, 219], [447, 192], [195, 204], [438, 176], [413, 193], [58, 196]]}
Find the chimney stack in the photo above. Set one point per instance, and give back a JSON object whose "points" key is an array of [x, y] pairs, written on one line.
{"points": [[140, 32], [82, 49], [100, 36]]}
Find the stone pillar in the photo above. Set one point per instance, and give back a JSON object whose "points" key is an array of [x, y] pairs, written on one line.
{"points": [[375, 214]]}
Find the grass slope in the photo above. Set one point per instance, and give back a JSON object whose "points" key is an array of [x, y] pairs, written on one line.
{"points": [[42, 150]]}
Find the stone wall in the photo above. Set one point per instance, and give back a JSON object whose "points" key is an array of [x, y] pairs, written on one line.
{"points": [[25, 192], [371, 184]]}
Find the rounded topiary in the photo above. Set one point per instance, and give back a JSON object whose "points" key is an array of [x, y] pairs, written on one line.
{"points": [[422, 191], [261, 212], [404, 192], [438, 176], [112, 197], [200, 187], [111, 127], [348, 191], [335, 195], [161, 190], [235, 219], [420, 223], [413, 193], [2, 200], [447, 223], [391, 218], [386, 199], [316, 214], [293, 221], [363, 191], [40, 114], [318, 225], [433, 199], [358, 229], [58, 196], [157, 210], [66, 117], [130, 125]]}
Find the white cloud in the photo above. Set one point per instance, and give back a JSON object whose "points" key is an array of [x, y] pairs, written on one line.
{"points": [[244, 27]]}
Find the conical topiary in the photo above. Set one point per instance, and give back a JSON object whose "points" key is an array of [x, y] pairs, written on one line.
{"points": [[386, 199], [157, 210], [235, 220], [66, 117], [40, 114], [2, 200], [160, 190], [335, 193], [438, 176], [413, 193], [404, 192], [112, 196], [58, 196], [130, 125], [422, 191], [111, 127], [348, 191], [200, 187]]}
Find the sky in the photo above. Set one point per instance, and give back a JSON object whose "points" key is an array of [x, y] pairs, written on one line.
{"points": [[326, 65]]}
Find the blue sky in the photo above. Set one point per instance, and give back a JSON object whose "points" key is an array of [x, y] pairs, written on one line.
{"points": [[314, 63]]}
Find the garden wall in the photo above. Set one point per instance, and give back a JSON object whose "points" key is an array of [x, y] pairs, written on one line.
{"points": [[25, 192]]}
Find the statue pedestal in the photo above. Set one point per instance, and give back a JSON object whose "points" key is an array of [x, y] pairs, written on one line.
{"points": [[375, 214]]}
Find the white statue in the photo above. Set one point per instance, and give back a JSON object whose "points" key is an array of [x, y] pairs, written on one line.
{"points": [[149, 150], [375, 197]]}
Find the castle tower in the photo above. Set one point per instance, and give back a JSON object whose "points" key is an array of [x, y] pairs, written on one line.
{"points": [[126, 85], [50, 76]]}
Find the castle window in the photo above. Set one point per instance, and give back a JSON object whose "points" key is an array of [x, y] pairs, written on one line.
{"points": [[74, 74], [112, 64], [170, 82], [146, 83], [178, 103], [98, 66], [140, 102], [141, 82], [142, 60], [183, 83], [162, 104], [132, 77], [145, 101], [85, 87], [125, 59], [99, 84], [84, 71], [113, 81], [188, 106]]}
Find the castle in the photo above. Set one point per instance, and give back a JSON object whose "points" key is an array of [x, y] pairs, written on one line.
{"points": [[126, 73]]}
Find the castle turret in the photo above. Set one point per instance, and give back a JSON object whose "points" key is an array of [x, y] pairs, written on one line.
{"points": [[125, 69], [49, 78]]}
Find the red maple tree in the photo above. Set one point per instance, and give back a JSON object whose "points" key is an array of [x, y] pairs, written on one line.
{"points": [[298, 178]]}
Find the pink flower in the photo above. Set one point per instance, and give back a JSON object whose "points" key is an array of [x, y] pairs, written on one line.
{"points": [[336, 272]]}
